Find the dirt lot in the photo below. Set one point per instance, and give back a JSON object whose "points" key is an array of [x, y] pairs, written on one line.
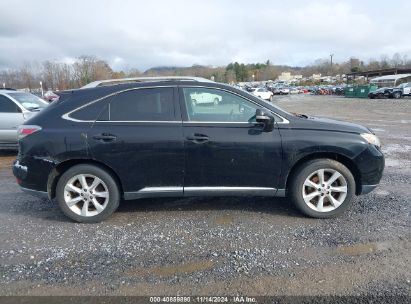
{"points": [[225, 246]]}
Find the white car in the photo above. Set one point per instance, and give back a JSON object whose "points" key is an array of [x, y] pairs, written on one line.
{"points": [[294, 91], [205, 98], [405, 88], [263, 93], [15, 108]]}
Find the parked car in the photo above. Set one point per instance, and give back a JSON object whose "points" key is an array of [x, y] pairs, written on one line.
{"points": [[50, 96], [386, 93], [405, 89], [15, 108], [263, 93], [294, 90], [284, 90], [205, 98], [96, 146]]}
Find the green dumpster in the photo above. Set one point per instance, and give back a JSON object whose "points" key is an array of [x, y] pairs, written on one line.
{"points": [[359, 91], [349, 91]]}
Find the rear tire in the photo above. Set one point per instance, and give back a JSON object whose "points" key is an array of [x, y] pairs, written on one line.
{"points": [[322, 197], [87, 194]]}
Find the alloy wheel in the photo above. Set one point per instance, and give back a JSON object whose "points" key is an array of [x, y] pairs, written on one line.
{"points": [[324, 190], [86, 195]]}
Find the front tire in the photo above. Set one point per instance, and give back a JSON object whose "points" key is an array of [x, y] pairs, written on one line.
{"points": [[322, 188], [397, 95], [87, 194]]}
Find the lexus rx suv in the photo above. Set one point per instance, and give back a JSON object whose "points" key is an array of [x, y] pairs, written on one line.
{"points": [[126, 140]]}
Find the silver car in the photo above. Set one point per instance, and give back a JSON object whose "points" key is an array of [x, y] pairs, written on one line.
{"points": [[15, 108]]}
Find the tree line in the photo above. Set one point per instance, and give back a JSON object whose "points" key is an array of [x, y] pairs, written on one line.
{"points": [[56, 75]]}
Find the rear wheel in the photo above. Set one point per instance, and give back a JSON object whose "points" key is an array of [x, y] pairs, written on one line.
{"points": [[322, 188], [87, 194]]}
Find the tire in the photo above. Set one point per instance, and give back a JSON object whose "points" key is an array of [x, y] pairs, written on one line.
{"points": [[397, 95], [341, 200], [271, 98], [216, 101], [99, 206]]}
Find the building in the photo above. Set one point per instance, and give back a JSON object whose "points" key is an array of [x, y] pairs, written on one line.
{"points": [[287, 77]]}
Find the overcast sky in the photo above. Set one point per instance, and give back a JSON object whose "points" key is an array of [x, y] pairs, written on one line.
{"points": [[143, 34]]}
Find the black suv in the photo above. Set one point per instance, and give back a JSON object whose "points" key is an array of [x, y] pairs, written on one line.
{"points": [[189, 137]]}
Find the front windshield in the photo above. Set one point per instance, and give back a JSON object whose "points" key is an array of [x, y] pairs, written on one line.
{"points": [[29, 101]]}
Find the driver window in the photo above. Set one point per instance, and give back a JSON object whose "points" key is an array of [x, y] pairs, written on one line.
{"points": [[214, 105]]}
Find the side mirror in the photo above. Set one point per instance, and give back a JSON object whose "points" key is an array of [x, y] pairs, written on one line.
{"points": [[265, 119]]}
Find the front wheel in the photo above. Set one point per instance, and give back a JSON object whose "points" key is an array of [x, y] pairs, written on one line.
{"points": [[87, 194], [322, 188], [397, 95]]}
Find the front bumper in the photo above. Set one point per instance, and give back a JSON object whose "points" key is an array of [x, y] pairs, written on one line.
{"points": [[370, 164], [365, 189]]}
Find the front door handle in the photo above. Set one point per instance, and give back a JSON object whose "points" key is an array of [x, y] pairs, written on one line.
{"points": [[105, 137], [198, 138]]}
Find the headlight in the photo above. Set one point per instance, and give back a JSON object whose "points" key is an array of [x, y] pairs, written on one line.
{"points": [[371, 139]]}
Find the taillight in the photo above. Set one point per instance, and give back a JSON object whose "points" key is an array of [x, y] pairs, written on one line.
{"points": [[26, 130]]}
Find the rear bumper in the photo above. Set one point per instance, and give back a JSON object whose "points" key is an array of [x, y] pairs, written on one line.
{"points": [[32, 173]]}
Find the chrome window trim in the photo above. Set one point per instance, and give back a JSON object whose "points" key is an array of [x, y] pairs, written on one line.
{"points": [[66, 116], [284, 120]]}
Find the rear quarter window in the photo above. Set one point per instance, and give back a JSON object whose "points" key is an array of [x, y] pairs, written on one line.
{"points": [[92, 112]]}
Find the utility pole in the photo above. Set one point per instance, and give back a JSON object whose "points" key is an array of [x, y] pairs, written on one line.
{"points": [[331, 56]]}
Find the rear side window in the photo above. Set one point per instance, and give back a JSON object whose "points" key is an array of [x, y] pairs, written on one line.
{"points": [[8, 106], [143, 105], [95, 111]]}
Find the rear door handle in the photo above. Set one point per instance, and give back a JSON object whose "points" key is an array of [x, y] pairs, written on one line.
{"points": [[198, 138], [105, 137]]}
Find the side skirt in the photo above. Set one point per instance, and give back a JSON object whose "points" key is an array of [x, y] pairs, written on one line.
{"points": [[202, 191]]}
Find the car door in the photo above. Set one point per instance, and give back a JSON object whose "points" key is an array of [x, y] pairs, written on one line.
{"points": [[138, 134], [226, 151], [11, 117]]}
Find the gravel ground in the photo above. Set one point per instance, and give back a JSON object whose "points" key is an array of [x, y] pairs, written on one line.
{"points": [[222, 246]]}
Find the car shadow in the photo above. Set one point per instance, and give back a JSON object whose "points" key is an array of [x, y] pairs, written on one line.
{"points": [[273, 205]]}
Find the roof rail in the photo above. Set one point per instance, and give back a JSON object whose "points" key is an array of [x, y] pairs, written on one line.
{"points": [[98, 83]]}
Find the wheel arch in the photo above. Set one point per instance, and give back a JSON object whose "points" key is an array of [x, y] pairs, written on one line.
{"points": [[62, 167], [327, 155]]}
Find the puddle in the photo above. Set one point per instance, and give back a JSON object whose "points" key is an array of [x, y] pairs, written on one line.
{"points": [[360, 249], [224, 220], [382, 192], [183, 268]]}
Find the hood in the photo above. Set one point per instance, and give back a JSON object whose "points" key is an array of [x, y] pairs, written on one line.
{"points": [[327, 124]]}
